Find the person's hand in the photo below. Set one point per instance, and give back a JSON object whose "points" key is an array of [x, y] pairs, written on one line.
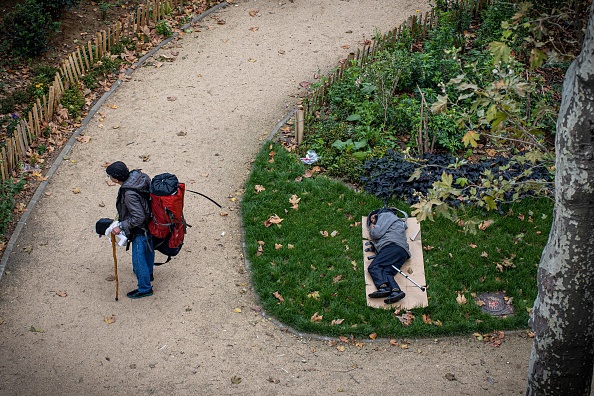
{"points": [[116, 230]]}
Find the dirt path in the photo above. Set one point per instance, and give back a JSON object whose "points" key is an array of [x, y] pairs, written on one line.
{"points": [[231, 85]]}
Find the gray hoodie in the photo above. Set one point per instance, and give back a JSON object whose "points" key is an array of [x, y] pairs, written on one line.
{"points": [[132, 203], [389, 228]]}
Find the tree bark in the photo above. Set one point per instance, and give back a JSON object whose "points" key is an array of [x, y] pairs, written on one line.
{"points": [[562, 319]]}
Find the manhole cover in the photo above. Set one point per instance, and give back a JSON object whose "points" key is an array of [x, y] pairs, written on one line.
{"points": [[494, 304]]}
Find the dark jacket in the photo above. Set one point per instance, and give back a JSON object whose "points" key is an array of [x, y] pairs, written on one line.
{"points": [[132, 204], [389, 228]]}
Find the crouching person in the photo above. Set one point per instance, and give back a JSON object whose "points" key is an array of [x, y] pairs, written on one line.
{"points": [[388, 234]]}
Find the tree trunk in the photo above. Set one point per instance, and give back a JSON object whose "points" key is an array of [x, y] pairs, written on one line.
{"points": [[562, 319]]}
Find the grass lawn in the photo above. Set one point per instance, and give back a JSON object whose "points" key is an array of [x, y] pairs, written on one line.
{"points": [[308, 260]]}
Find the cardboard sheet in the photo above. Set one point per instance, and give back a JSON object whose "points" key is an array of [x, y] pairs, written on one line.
{"points": [[414, 268]]}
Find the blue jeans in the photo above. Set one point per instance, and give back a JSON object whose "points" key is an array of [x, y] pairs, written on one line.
{"points": [[143, 260], [381, 270]]}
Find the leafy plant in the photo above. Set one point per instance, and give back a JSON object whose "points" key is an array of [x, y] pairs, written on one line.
{"points": [[73, 100], [163, 28], [8, 190], [26, 29]]}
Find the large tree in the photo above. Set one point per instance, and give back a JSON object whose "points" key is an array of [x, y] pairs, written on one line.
{"points": [[562, 357]]}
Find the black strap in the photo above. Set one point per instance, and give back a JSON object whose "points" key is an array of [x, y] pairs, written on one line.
{"points": [[210, 199]]}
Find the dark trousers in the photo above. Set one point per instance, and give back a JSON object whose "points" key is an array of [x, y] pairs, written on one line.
{"points": [[381, 270]]}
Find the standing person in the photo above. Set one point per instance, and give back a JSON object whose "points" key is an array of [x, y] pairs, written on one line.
{"points": [[388, 234], [134, 214]]}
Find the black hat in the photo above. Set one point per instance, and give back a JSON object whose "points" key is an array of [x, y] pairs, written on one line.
{"points": [[118, 170], [102, 225]]}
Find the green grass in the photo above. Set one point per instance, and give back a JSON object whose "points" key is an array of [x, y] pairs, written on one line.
{"points": [[325, 274]]}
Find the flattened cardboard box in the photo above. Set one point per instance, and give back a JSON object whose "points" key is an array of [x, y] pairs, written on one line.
{"points": [[414, 268]]}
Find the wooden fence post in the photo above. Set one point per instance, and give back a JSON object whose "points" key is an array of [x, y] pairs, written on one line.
{"points": [[299, 125]]}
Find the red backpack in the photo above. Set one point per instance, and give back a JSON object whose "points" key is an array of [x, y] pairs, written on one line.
{"points": [[167, 224]]}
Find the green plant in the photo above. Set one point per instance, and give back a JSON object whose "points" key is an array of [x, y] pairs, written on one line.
{"points": [[104, 7], [56, 7], [73, 100], [163, 28], [26, 29], [8, 190]]}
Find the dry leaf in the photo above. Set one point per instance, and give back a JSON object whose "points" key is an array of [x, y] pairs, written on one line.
{"points": [[460, 299], [316, 318], [289, 246], [278, 296], [83, 139], [76, 190], [334, 233], [294, 201], [406, 318], [337, 322], [235, 380], [483, 226], [484, 254], [254, 28], [223, 214], [254, 13], [472, 245], [61, 293], [258, 188], [393, 342], [109, 319], [373, 336], [315, 294], [341, 348], [337, 278], [274, 219], [237, 310], [324, 234], [172, 98], [278, 246]]}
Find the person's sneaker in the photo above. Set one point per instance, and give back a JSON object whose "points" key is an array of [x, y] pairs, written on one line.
{"points": [[395, 296], [136, 294], [380, 293], [152, 278]]}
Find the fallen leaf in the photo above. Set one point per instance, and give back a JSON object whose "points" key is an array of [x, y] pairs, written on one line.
{"points": [[324, 234], [336, 279], [76, 190], [315, 295], [109, 319], [61, 293], [254, 28], [472, 245], [33, 329], [259, 188], [406, 318], [254, 13], [294, 201], [337, 321], [172, 98], [289, 246], [341, 348], [393, 342], [460, 299], [484, 254], [237, 310], [278, 296], [235, 380], [316, 318], [334, 233], [373, 336], [274, 219], [83, 139], [223, 214]]}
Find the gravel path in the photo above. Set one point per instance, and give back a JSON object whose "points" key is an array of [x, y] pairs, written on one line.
{"points": [[203, 117]]}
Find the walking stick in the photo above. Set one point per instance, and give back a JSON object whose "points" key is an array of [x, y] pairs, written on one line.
{"points": [[115, 264]]}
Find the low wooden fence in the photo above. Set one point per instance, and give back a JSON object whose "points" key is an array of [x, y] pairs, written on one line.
{"points": [[77, 64], [418, 26]]}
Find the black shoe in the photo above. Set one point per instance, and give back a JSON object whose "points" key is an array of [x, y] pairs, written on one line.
{"points": [[395, 296], [380, 293], [152, 278], [136, 294]]}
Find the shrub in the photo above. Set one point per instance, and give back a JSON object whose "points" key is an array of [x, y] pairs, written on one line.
{"points": [[163, 28], [73, 100], [55, 7], [26, 30], [8, 190]]}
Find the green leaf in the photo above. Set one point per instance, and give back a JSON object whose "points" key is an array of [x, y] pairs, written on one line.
{"points": [[415, 175], [462, 181], [537, 58], [491, 205], [354, 117], [360, 155], [500, 51]]}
